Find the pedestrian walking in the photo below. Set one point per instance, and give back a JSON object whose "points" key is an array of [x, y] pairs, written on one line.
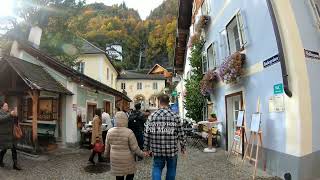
{"points": [[162, 134], [136, 124], [7, 138], [107, 120], [121, 147], [96, 133]]}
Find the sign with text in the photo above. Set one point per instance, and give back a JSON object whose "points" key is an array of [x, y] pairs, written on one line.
{"points": [[271, 61], [255, 122], [276, 103], [311, 54], [278, 89]]}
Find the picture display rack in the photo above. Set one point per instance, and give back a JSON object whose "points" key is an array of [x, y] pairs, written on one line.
{"points": [[239, 136], [255, 139]]}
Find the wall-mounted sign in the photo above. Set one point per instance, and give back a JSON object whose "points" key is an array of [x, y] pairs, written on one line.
{"points": [[271, 61], [311, 54], [278, 89], [276, 103]]}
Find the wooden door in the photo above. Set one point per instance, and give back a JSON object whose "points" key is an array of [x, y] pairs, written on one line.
{"points": [[107, 107]]}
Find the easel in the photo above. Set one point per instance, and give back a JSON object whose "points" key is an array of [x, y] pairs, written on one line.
{"points": [[255, 135], [240, 136]]}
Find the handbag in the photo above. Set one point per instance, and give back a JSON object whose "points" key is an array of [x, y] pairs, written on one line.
{"points": [[17, 131], [98, 147]]}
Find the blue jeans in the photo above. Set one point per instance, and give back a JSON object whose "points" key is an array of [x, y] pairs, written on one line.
{"points": [[158, 165]]}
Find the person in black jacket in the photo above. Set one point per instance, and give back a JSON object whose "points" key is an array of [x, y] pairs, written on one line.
{"points": [[136, 124], [7, 139]]}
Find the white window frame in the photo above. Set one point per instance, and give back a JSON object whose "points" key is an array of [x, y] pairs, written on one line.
{"points": [[81, 67], [224, 49], [205, 63], [139, 85], [239, 17], [123, 86], [155, 85], [212, 62], [315, 12]]}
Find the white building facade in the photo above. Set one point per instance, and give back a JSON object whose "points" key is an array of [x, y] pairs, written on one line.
{"points": [[280, 51]]}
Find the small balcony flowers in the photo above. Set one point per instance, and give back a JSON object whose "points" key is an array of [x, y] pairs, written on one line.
{"points": [[202, 23], [208, 81], [232, 68]]}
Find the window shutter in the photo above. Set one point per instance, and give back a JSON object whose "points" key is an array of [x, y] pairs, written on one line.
{"points": [[215, 54], [315, 4], [204, 63], [242, 27], [224, 51]]}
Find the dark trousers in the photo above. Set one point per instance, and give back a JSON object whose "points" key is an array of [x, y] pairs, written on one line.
{"points": [[14, 153], [129, 177], [93, 154]]}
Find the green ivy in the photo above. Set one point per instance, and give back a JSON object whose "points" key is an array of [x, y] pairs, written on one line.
{"points": [[194, 100]]}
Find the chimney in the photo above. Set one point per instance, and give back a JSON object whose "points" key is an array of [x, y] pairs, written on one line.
{"points": [[35, 36]]}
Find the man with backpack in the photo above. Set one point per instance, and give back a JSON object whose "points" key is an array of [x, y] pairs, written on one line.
{"points": [[136, 124]]}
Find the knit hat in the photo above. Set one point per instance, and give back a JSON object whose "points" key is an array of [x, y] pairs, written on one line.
{"points": [[121, 119]]}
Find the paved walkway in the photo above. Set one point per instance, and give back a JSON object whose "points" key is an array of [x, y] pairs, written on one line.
{"points": [[72, 164]]}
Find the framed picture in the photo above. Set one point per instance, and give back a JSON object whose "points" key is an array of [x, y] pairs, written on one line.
{"points": [[240, 118], [255, 122]]}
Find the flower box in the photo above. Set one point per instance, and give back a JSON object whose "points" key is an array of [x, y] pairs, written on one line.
{"points": [[232, 68], [208, 81]]}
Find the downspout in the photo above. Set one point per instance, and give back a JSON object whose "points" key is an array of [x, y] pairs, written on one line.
{"points": [[280, 50]]}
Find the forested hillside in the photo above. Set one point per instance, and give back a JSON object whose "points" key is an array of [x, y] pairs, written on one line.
{"points": [[65, 22]]}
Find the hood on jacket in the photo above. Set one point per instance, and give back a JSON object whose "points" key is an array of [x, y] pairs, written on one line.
{"points": [[121, 119]]}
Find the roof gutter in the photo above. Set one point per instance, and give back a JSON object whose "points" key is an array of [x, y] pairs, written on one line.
{"points": [[280, 49]]}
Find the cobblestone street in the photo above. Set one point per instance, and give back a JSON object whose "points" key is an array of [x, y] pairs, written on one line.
{"points": [[72, 164]]}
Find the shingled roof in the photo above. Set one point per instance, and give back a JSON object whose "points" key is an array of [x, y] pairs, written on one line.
{"points": [[134, 75], [36, 77], [89, 48], [68, 71]]}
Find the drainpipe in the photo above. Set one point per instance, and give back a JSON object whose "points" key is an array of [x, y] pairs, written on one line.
{"points": [[280, 50]]}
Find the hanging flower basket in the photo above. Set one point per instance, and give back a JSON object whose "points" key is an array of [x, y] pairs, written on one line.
{"points": [[202, 23], [208, 81], [232, 68], [194, 39]]}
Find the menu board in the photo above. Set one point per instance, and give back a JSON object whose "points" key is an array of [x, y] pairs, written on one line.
{"points": [[255, 122]]}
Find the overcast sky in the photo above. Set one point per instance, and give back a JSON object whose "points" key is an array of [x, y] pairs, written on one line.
{"points": [[143, 6]]}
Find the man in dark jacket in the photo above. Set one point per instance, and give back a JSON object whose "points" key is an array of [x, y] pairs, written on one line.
{"points": [[7, 139], [136, 124]]}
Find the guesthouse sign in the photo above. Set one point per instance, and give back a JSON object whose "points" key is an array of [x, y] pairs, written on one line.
{"points": [[271, 61], [311, 54]]}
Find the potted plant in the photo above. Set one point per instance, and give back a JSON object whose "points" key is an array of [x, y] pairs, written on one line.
{"points": [[213, 117]]}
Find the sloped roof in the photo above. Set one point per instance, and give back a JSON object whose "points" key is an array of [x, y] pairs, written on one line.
{"points": [[68, 71], [36, 77], [89, 48], [134, 75]]}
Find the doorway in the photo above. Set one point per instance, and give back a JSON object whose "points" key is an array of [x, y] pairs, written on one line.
{"points": [[107, 107], [234, 104], [91, 107]]}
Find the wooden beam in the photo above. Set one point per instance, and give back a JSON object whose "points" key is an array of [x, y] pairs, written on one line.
{"points": [[35, 98]]}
